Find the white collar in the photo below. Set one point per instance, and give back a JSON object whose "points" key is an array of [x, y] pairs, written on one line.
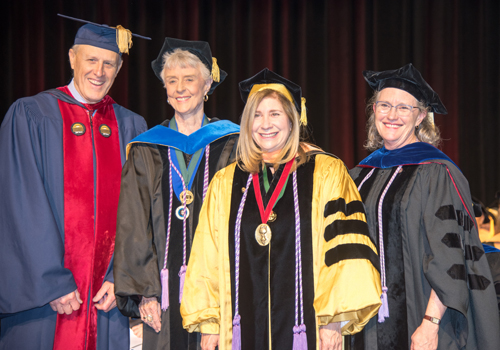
{"points": [[74, 92]]}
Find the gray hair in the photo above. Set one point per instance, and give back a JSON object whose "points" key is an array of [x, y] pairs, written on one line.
{"points": [[183, 59]]}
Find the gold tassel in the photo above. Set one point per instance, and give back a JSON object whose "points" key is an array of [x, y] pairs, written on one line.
{"points": [[492, 229], [215, 70], [431, 117], [303, 113], [123, 39]]}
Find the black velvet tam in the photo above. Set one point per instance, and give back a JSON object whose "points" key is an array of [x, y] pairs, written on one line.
{"points": [[200, 49], [266, 76], [409, 79]]}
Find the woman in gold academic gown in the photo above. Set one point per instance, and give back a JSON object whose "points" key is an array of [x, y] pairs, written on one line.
{"points": [[281, 257]]}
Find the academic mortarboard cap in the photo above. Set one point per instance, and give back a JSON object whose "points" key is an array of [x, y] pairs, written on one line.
{"points": [[117, 39], [267, 79], [200, 49], [409, 79]]}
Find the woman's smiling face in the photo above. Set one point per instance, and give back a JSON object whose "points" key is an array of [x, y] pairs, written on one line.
{"points": [[271, 127], [397, 131], [185, 90]]}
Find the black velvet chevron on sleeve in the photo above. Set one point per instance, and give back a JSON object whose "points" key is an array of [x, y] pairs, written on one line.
{"points": [[337, 205], [341, 227], [352, 251]]}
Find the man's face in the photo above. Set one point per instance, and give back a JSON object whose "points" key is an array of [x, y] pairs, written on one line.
{"points": [[94, 71]]}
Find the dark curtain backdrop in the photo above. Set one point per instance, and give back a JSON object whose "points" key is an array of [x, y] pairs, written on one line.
{"points": [[321, 45]]}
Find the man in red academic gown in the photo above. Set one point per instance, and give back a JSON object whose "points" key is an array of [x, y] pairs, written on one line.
{"points": [[61, 154]]}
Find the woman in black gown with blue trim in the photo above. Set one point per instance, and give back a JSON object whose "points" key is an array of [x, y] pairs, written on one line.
{"points": [[436, 284]]}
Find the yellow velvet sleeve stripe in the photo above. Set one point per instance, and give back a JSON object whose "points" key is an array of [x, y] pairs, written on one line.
{"points": [[206, 302], [346, 269]]}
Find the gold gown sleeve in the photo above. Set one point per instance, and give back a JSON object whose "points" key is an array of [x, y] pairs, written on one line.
{"points": [[347, 281]]}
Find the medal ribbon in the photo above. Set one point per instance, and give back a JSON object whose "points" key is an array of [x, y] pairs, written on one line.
{"points": [[264, 213], [178, 160], [266, 185]]}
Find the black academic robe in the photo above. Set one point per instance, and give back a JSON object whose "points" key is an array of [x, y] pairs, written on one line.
{"points": [[431, 242], [493, 256], [32, 272], [142, 226]]}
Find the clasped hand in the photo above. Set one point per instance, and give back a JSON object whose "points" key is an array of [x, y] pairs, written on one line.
{"points": [[67, 303], [151, 313], [104, 300]]}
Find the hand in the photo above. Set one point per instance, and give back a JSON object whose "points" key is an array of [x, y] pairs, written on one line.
{"points": [[209, 341], [137, 330], [425, 336], [105, 298], [330, 337], [67, 303], [151, 307]]}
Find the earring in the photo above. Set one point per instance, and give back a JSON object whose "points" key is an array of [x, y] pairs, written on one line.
{"points": [[168, 101], [205, 98], [416, 128]]}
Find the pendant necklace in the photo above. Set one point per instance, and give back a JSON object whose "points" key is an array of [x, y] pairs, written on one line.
{"points": [[263, 232]]}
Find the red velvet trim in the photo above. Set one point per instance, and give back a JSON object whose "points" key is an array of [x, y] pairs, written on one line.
{"points": [[265, 213], [88, 251]]}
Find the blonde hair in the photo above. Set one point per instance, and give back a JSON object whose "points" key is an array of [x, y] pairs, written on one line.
{"points": [[184, 59], [426, 132], [249, 154]]}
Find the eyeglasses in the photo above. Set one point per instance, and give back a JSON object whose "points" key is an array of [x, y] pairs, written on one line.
{"points": [[402, 109]]}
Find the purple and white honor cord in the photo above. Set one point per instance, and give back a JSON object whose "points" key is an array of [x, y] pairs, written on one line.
{"points": [[299, 331], [383, 313], [164, 272], [366, 178], [205, 173], [236, 344], [182, 271]]}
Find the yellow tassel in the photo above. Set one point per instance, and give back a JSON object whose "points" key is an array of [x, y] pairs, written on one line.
{"points": [[431, 117], [215, 70], [123, 39], [492, 229], [303, 113]]}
